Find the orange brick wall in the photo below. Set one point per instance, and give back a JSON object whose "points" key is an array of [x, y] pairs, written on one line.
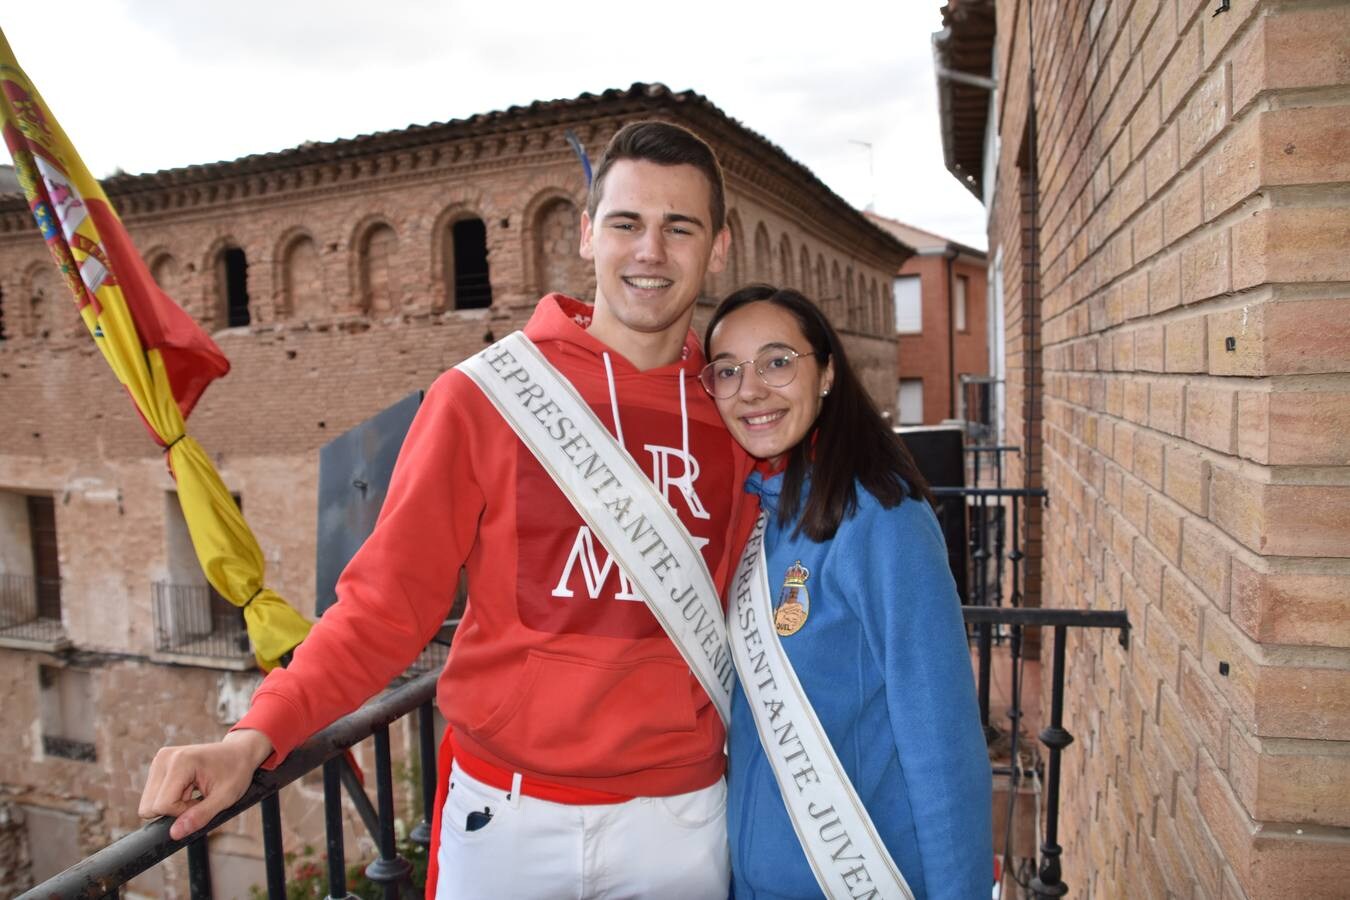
{"points": [[1194, 380], [929, 355]]}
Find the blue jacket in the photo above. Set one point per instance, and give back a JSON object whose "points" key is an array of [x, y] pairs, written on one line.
{"points": [[883, 657]]}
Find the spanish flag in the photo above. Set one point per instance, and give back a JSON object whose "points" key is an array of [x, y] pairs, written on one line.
{"points": [[159, 354]]}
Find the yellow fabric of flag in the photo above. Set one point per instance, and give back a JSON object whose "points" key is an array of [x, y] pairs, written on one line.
{"points": [[157, 351]]}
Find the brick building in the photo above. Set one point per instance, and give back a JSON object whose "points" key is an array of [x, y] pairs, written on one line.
{"points": [[941, 324], [337, 278], [1166, 183]]}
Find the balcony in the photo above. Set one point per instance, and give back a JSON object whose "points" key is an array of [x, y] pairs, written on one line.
{"points": [[30, 613], [1026, 769], [196, 626]]}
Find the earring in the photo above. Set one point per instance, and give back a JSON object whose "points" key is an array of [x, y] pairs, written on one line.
{"points": [[825, 393]]}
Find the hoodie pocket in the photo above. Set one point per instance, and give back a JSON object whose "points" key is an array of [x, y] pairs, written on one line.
{"points": [[598, 718]]}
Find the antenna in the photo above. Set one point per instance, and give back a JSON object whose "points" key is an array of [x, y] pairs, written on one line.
{"points": [[871, 174]]}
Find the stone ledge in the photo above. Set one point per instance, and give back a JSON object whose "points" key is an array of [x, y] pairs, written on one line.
{"points": [[242, 663]]}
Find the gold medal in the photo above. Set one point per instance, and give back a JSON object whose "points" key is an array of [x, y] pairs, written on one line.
{"points": [[794, 603]]}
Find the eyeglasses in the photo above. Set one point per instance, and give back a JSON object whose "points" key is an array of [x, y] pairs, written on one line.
{"points": [[776, 368]]}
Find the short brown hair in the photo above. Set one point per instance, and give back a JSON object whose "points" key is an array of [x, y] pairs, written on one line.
{"points": [[666, 145]]}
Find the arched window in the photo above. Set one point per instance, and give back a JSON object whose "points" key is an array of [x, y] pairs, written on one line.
{"points": [[850, 301], [3, 334], [784, 273], [557, 263], [302, 279], [231, 269], [805, 272], [878, 308], [732, 273], [864, 305], [169, 276], [838, 309], [822, 285], [379, 271], [763, 254], [464, 260]]}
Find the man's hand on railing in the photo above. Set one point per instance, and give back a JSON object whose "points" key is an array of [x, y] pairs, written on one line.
{"points": [[197, 781]]}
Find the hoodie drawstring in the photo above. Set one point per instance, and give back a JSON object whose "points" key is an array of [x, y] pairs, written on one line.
{"points": [[684, 413], [613, 400], [684, 427]]}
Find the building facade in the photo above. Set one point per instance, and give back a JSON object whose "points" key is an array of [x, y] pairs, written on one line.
{"points": [[941, 328], [1166, 182], [338, 278]]}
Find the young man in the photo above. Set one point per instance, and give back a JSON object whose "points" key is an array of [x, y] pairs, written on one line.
{"points": [[587, 755]]}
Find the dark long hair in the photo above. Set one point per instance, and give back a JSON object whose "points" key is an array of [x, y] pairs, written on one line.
{"points": [[848, 444]]}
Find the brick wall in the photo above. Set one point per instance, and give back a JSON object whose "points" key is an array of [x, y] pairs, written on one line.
{"points": [[1174, 246], [930, 354]]}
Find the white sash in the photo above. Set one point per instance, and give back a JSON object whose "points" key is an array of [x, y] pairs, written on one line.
{"points": [[835, 831], [616, 499]]}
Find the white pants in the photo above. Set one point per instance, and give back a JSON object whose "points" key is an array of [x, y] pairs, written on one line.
{"points": [[665, 847]]}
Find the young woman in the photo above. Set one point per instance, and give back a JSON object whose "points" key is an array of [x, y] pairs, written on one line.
{"points": [[857, 764]]}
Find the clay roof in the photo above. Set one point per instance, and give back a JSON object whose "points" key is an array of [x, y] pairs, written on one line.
{"points": [[922, 241], [743, 152], [965, 45]]}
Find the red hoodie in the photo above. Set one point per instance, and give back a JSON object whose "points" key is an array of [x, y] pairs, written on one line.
{"points": [[557, 670]]}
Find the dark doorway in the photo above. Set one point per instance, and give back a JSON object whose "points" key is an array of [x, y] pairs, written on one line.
{"points": [[46, 560], [236, 287], [473, 289]]}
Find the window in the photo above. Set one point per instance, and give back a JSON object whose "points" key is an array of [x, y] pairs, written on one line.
{"points": [[731, 275], [473, 286], [30, 569], [379, 270], [908, 305], [190, 618], [910, 401], [557, 264], [301, 279], [232, 286], [53, 841], [959, 303], [46, 561], [169, 276], [66, 709]]}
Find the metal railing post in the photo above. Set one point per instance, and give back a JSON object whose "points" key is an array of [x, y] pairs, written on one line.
{"points": [[199, 870], [390, 870], [426, 744], [332, 821], [1047, 882], [274, 853]]}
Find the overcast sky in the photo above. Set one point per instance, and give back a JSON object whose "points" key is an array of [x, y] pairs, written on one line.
{"points": [[143, 85]]}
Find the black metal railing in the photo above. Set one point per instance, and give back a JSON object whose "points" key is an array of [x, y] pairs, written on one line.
{"points": [[194, 620], [102, 874], [978, 400], [989, 622], [992, 535], [1048, 881], [985, 464], [995, 578], [30, 608]]}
